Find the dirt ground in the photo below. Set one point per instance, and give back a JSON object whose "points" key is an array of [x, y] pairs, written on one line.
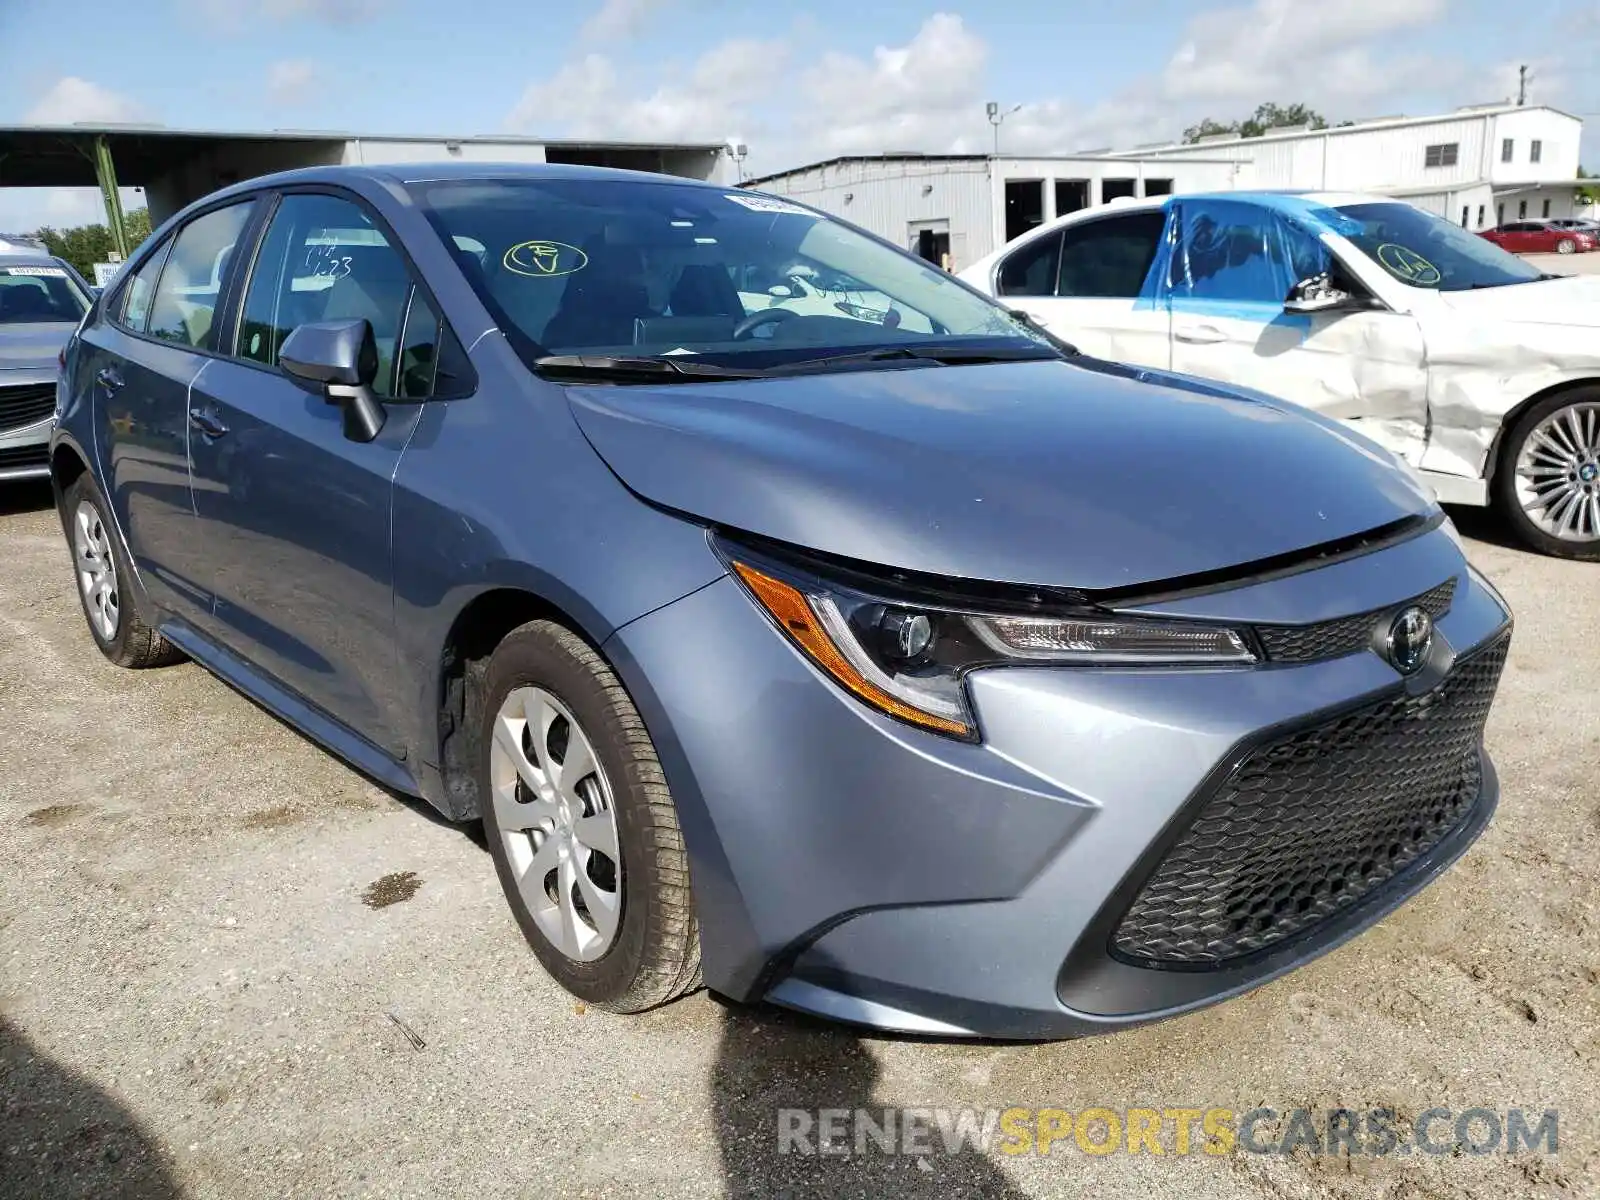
{"points": [[229, 966]]}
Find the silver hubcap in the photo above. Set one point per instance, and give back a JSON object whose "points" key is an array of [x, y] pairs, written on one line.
{"points": [[1565, 247], [1558, 474], [97, 570], [553, 807]]}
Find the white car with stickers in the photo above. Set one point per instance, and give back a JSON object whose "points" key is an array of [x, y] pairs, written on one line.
{"points": [[1478, 369]]}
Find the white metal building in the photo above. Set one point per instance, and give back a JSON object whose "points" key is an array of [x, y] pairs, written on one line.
{"points": [[1480, 166], [954, 209]]}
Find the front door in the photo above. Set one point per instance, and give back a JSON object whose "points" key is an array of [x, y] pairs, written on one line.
{"points": [[1233, 265], [1094, 284], [293, 517]]}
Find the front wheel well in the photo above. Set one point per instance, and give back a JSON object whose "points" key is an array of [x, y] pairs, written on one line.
{"points": [[1500, 446], [463, 666]]}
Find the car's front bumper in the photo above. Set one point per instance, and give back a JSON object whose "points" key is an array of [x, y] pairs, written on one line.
{"points": [[24, 427], [852, 866]]}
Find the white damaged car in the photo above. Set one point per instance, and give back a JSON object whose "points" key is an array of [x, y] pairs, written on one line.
{"points": [[1478, 369]]}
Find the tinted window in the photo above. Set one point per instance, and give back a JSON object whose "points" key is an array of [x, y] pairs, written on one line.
{"points": [[185, 305], [40, 293], [1443, 155], [1032, 270], [1422, 250], [419, 350], [1111, 256], [323, 259], [135, 299]]}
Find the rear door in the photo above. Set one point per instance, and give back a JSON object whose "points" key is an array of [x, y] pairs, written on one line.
{"points": [[1233, 264], [1094, 283], [140, 362], [293, 516]]}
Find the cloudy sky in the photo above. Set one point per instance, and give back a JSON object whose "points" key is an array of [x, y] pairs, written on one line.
{"points": [[796, 81]]}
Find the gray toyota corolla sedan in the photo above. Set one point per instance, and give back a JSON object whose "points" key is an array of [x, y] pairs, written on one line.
{"points": [[796, 620], [42, 299]]}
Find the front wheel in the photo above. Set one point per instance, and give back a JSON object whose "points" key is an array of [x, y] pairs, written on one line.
{"points": [[1566, 246], [581, 825], [1548, 482]]}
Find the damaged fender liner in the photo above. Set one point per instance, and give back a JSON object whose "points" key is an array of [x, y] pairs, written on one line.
{"points": [[1024, 598]]}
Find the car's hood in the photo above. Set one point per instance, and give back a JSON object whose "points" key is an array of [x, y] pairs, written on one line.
{"points": [[1039, 473], [33, 346], [1571, 301]]}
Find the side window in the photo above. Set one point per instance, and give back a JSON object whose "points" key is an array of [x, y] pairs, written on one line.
{"points": [[1110, 257], [1242, 252], [419, 351], [134, 308], [324, 260], [1031, 270], [186, 299]]}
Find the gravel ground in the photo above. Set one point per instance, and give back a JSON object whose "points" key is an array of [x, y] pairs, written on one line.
{"points": [[233, 967]]}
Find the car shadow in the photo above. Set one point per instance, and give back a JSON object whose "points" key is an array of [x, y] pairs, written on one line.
{"points": [[1485, 525], [61, 1136], [30, 495], [776, 1070]]}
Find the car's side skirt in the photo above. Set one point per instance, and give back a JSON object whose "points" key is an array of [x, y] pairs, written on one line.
{"points": [[1455, 489], [291, 709]]}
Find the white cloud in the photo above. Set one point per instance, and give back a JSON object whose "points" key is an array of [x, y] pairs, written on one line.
{"points": [[584, 98], [73, 99], [618, 19], [292, 81]]}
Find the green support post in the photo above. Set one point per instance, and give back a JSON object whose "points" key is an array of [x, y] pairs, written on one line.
{"points": [[105, 174]]}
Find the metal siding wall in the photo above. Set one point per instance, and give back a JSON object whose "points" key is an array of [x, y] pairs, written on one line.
{"points": [[886, 197]]}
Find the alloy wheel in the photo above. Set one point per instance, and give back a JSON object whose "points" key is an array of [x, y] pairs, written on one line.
{"points": [[554, 810], [1565, 246], [1558, 473], [97, 570]]}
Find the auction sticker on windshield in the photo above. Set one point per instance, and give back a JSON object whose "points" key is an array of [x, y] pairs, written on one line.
{"points": [[48, 272], [768, 204]]}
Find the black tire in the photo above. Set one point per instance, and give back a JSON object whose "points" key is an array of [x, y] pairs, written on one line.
{"points": [[655, 957], [135, 642], [1505, 492]]}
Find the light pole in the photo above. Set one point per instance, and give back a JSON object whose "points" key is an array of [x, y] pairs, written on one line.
{"points": [[996, 117]]}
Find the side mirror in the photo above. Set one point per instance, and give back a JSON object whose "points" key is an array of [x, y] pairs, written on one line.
{"points": [[337, 360], [1321, 294]]}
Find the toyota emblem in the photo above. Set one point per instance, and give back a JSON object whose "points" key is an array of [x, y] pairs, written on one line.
{"points": [[1410, 639]]}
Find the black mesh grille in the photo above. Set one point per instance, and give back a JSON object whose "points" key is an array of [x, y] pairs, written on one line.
{"points": [[27, 405], [13, 457], [1308, 824], [1344, 635]]}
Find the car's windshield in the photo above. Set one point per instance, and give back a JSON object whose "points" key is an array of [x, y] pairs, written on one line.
{"points": [[32, 294], [618, 267], [1425, 251]]}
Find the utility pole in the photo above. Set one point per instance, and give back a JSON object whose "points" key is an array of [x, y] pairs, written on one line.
{"points": [[1522, 85]]}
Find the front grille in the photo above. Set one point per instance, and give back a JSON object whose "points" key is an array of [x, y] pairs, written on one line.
{"points": [[1343, 635], [1308, 824], [20, 406], [14, 457]]}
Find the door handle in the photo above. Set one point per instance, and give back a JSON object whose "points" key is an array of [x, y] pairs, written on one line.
{"points": [[1200, 335], [109, 378], [207, 423]]}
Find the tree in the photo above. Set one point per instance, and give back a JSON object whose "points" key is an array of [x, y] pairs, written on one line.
{"points": [[86, 245], [1266, 117], [1590, 193]]}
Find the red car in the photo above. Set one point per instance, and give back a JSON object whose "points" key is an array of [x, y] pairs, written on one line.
{"points": [[1540, 237]]}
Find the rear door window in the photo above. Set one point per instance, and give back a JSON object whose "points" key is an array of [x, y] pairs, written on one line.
{"points": [[1111, 256], [185, 306]]}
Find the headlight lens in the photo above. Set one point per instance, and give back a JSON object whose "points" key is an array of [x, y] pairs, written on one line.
{"points": [[909, 659]]}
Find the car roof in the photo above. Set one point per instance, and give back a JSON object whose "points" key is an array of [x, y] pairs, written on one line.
{"points": [[24, 258]]}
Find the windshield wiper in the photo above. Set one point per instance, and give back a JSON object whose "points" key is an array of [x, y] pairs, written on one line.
{"points": [[665, 369], [942, 355]]}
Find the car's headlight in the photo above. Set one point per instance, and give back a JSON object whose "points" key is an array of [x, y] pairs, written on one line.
{"points": [[908, 658]]}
